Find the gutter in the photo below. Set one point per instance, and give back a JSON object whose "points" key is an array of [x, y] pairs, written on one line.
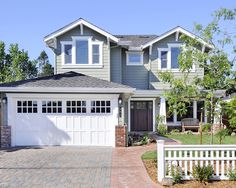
{"points": [[65, 90]]}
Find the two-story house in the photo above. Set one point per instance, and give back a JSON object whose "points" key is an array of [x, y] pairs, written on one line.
{"points": [[101, 80]]}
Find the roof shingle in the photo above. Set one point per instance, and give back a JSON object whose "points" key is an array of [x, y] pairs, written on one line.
{"points": [[68, 79]]}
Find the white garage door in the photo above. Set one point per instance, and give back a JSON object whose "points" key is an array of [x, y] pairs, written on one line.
{"points": [[53, 121]]}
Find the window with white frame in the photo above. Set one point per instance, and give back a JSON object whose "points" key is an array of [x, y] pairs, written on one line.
{"points": [[82, 51], [163, 57], [134, 58], [67, 53], [168, 57]]}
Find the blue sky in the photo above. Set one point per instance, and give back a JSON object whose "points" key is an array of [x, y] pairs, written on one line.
{"points": [[26, 22]]}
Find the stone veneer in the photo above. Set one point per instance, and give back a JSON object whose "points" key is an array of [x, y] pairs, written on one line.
{"points": [[121, 136], [5, 136]]}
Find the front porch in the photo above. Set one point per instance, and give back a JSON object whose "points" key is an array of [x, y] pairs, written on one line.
{"points": [[141, 109]]}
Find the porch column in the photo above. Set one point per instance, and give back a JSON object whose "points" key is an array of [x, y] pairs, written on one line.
{"points": [[195, 109], [163, 108]]}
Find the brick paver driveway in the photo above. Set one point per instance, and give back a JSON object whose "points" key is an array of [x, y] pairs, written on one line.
{"points": [[56, 167]]}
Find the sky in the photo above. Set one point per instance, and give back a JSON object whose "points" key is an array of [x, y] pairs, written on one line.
{"points": [[27, 22]]}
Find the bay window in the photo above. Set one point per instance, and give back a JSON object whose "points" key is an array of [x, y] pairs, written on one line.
{"points": [[82, 51]]}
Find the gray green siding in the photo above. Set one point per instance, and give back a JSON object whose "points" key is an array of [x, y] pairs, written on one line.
{"points": [[154, 80], [135, 76], [104, 72], [116, 68]]}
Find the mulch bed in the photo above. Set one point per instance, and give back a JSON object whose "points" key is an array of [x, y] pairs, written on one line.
{"points": [[151, 167]]}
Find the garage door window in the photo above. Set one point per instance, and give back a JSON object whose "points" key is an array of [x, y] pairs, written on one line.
{"points": [[51, 106], [101, 106], [76, 106], [27, 107]]}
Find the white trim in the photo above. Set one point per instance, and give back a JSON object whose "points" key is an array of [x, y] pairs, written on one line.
{"points": [[63, 43], [177, 36], [90, 64], [87, 24], [153, 111], [100, 43], [81, 29], [180, 30], [66, 90], [136, 63]]}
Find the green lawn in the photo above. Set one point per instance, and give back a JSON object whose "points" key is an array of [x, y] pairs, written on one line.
{"points": [[190, 139], [149, 155], [195, 139]]}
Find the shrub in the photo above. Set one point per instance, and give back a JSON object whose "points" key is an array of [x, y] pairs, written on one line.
{"points": [[145, 140], [203, 173], [162, 129], [221, 134], [177, 174], [232, 174], [175, 131], [206, 127], [189, 132]]}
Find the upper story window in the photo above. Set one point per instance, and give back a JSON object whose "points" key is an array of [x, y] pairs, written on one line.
{"points": [[82, 52], [134, 58], [168, 57], [175, 51], [67, 52], [164, 59]]}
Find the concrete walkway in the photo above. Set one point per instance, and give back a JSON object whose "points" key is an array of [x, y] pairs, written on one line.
{"points": [[128, 170]]}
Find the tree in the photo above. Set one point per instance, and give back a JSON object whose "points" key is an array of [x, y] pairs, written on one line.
{"points": [[217, 65], [15, 65], [45, 68]]}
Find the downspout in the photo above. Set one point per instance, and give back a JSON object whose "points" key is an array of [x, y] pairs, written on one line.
{"points": [[150, 67]]}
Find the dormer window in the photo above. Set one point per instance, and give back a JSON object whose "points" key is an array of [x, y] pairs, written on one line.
{"points": [[134, 58], [82, 52]]}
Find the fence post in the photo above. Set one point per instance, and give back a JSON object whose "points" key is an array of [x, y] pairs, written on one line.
{"points": [[160, 160]]}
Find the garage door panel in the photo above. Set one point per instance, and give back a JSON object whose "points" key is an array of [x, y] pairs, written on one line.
{"points": [[85, 138]]}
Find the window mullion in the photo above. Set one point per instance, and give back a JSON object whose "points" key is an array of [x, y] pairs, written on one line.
{"points": [[169, 59], [90, 51], [74, 53]]}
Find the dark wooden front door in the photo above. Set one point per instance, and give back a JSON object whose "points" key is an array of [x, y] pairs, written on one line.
{"points": [[141, 115]]}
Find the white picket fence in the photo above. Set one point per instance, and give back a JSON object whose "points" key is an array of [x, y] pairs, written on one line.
{"points": [[221, 157]]}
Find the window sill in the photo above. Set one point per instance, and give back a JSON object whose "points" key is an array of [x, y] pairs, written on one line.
{"points": [[128, 64], [174, 70], [81, 66]]}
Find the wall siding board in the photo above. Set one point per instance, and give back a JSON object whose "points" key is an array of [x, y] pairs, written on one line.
{"points": [[116, 69]]}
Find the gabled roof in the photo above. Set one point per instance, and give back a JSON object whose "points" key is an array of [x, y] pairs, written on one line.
{"points": [[66, 82], [134, 40], [77, 23], [179, 30]]}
